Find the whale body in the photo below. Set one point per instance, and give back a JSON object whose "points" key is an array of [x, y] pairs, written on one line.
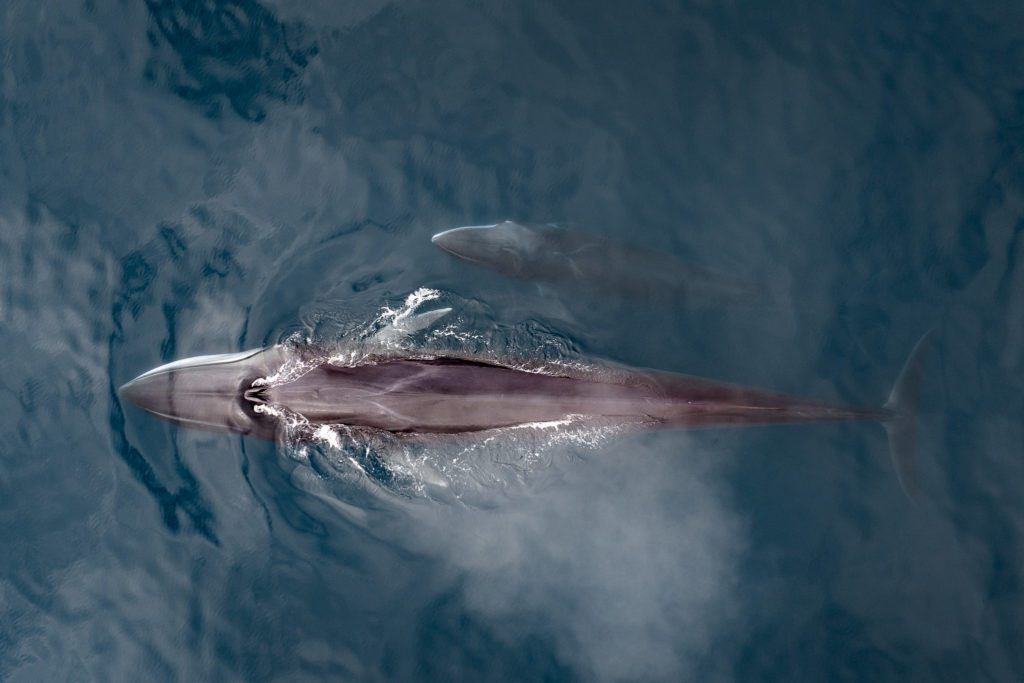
{"points": [[438, 394], [573, 259]]}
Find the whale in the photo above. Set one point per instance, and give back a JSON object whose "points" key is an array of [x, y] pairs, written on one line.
{"points": [[255, 392], [571, 259]]}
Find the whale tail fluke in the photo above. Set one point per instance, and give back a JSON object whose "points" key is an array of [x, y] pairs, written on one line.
{"points": [[901, 426]]}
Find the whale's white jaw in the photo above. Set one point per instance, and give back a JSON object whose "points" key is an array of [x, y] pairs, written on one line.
{"points": [[197, 362]]}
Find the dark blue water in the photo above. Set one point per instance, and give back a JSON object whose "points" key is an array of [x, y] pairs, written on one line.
{"points": [[179, 178]]}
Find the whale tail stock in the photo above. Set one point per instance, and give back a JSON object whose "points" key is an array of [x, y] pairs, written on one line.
{"points": [[901, 425]]}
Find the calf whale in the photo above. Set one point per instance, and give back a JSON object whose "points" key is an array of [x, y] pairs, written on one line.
{"points": [[423, 393], [562, 257]]}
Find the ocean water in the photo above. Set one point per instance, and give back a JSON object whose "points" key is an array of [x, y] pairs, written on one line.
{"points": [[193, 177]]}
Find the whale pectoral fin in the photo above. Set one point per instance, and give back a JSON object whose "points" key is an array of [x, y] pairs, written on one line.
{"points": [[409, 325], [574, 268], [568, 264], [585, 249], [422, 321]]}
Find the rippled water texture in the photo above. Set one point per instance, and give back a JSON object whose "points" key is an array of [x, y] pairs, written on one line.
{"points": [[191, 177]]}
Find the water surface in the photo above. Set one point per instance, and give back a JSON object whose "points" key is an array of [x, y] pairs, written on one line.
{"points": [[183, 178]]}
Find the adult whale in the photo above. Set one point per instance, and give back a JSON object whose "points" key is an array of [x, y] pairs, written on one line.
{"points": [[253, 391]]}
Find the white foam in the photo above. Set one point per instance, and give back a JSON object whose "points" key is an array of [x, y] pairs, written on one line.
{"points": [[326, 435]]}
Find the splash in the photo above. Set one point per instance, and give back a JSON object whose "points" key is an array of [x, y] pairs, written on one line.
{"points": [[470, 469]]}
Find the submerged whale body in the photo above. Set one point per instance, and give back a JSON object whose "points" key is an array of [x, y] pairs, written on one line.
{"points": [[247, 393], [562, 257]]}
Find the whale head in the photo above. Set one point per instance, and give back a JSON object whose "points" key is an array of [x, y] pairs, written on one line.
{"points": [[208, 392], [508, 247]]}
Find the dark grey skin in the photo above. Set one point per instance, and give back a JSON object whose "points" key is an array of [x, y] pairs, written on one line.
{"points": [[568, 258], [443, 394]]}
